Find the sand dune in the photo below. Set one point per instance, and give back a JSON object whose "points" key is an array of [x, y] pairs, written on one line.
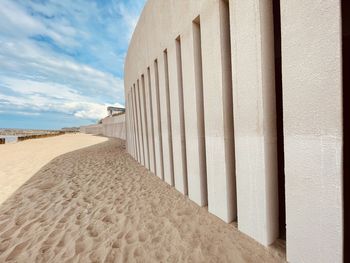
{"points": [[20, 161], [98, 205]]}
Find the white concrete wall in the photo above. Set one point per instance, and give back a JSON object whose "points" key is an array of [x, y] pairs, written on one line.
{"points": [[176, 106], [218, 119], [113, 127], [158, 34], [312, 102], [144, 121], [168, 171], [194, 115], [130, 128], [136, 123], [157, 129], [96, 129], [255, 118], [228, 129], [150, 129], [140, 122]]}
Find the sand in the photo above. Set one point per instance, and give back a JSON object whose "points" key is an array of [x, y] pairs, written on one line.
{"points": [[20, 161], [99, 205]]}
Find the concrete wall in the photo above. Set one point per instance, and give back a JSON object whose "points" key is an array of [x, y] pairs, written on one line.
{"points": [[202, 102], [95, 129], [312, 97], [255, 118], [113, 127]]}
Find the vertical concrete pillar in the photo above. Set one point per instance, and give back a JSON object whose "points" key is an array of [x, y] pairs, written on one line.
{"points": [[128, 147], [177, 123], [132, 125], [218, 116], [133, 99], [312, 110], [128, 125], [144, 122], [194, 115], [150, 132], [126, 98], [129, 128], [138, 126], [158, 145], [140, 123], [165, 118], [134, 121], [255, 118]]}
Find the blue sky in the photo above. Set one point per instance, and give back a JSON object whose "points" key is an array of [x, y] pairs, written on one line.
{"points": [[61, 61]]}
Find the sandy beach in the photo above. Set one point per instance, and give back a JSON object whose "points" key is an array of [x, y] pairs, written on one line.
{"points": [[97, 204], [20, 161]]}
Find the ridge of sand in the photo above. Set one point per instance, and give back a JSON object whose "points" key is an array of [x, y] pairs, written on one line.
{"points": [[20, 161], [99, 205]]}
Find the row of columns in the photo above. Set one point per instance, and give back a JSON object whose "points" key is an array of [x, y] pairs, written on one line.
{"points": [[202, 117], [188, 138]]}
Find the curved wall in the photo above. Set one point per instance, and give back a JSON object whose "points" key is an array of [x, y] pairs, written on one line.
{"points": [[95, 129], [113, 127], [201, 114]]}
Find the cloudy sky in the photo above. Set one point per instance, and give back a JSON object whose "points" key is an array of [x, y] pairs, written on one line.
{"points": [[61, 61]]}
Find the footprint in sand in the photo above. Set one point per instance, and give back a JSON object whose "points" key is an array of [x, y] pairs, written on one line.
{"points": [[92, 231], [9, 232], [131, 237], [139, 252], [20, 220], [79, 246], [4, 244], [142, 236], [4, 225], [117, 244], [156, 240], [17, 250], [107, 219]]}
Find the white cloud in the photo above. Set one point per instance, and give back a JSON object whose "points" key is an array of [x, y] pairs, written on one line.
{"points": [[64, 56], [129, 18], [17, 23], [39, 63], [26, 113], [45, 97], [29, 87]]}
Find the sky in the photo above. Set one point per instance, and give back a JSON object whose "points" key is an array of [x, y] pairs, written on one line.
{"points": [[62, 61]]}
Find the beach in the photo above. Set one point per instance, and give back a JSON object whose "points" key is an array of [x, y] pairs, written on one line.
{"points": [[19, 161], [97, 204]]}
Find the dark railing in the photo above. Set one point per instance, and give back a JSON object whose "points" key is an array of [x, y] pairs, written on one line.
{"points": [[38, 136]]}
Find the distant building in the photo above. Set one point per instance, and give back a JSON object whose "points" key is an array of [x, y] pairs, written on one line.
{"points": [[115, 110]]}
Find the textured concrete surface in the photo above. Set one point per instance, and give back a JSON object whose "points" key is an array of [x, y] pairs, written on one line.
{"points": [[112, 126], [194, 115], [150, 131], [218, 118], [229, 113], [165, 120], [312, 97], [255, 118], [157, 129], [177, 122]]}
